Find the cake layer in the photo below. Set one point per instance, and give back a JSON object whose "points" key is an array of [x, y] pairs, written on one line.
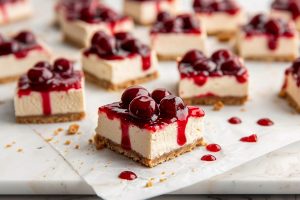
{"points": [[292, 90], [285, 15], [145, 12], [118, 71], [82, 32], [49, 103], [256, 46], [14, 11], [13, 66], [225, 86], [149, 143], [172, 45]]}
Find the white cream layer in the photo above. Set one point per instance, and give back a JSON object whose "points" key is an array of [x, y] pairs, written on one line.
{"points": [[62, 102], [83, 32], [257, 46], [150, 145], [146, 12], [15, 11], [177, 44], [118, 71], [219, 86], [285, 15], [292, 89], [221, 21]]}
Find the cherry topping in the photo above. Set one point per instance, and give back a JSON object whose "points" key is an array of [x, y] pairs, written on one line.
{"points": [[2, 40], [26, 37], [132, 45], [142, 107], [234, 120], [230, 66], [208, 157], [172, 25], [8, 48], [221, 55], [123, 36], [127, 175], [273, 26], [172, 106], [192, 56], [258, 19], [265, 122], [98, 35], [108, 15], [87, 14], [159, 94], [251, 138], [105, 45], [213, 147], [63, 65], [42, 64], [189, 21], [39, 75], [130, 93], [204, 65], [163, 16]]}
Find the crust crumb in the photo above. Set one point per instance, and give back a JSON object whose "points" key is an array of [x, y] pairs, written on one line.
{"points": [[48, 139], [162, 180], [57, 131], [77, 146], [90, 141], [218, 106], [8, 146], [163, 173], [243, 110], [20, 150], [73, 129], [68, 142], [149, 184]]}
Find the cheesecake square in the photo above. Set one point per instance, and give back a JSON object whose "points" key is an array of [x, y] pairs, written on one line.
{"points": [[18, 53], [145, 12], [171, 36], [149, 128], [222, 77], [119, 61], [291, 87], [14, 10], [50, 93], [287, 10], [221, 18], [80, 19], [267, 38]]}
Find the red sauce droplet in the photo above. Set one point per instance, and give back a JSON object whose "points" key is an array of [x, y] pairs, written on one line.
{"points": [[181, 138], [234, 120], [125, 141], [127, 175], [213, 147], [265, 122], [250, 138], [208, 157]]}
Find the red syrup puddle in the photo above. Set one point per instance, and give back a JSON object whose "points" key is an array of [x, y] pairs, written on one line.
{"points": [[127, 175], [46, 103], [213, 148], [235, 120], [125, 141], [250, 138], [208, 157], [265, 122]]}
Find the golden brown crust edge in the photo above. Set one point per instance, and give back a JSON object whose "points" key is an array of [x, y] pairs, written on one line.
{"points": [[9, 79], [290, 100], [113, 87], [50, 119], [101, 142], [213, 100]]}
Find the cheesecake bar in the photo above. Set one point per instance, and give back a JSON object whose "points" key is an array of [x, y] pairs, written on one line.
{"points": [[222, 77], [149, 128], [49, 94], [288, 10], [18, 53], [145, 11], [265, 38], [118, 61], [171, 36], [80, 19], [14, 10], [221, 18], [291, 87]]}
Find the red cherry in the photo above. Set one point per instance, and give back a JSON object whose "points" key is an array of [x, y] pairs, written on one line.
{"points": [[108, 15], [87, 14], [42, 64], [172, 25], [39, 75], [26, 37], [98, 35], [296, 65], [192, 56], [171, 105], [130, 93], [230, 66], [106, 45], [8, 48], [123, 36], [258, 19], [221, 55], [159, 94], [163, 16], [142, 107], [131, 45], [273, 26], [63, 65], [189, 21], [204, 65]]}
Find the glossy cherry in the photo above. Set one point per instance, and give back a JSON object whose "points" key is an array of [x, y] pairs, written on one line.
{"points": [[97, 36], [221, 55], [8, 48], [26, 37], [204, 65], [64, 66], [87, 14], [142, 107], [123, 36], [42, 64], [132, 45], [273, 26], [230, 66], [170, 105], [130, 93], [108, 15], [258, 19], [39, 75], [159, 94], [189, 21], [163, 16], [106, 45], [192, 56], [127, 175], [172, 25]]}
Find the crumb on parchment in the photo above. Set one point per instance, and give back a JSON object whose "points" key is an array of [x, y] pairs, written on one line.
{"points": [[218, 106], [68, 142], [19, 150], [57, 131], [77, 146], [73, 129], [149, 184], [48, 139], [162, 180], [8, 146]]}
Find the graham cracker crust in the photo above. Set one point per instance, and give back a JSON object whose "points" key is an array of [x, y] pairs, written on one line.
{"points": [[50, 119], [223, 36], [213, 100], [18, 19], [168, 57], [73, 42], [290, 100], [9, 79], [114, 87], [101, 142]]}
